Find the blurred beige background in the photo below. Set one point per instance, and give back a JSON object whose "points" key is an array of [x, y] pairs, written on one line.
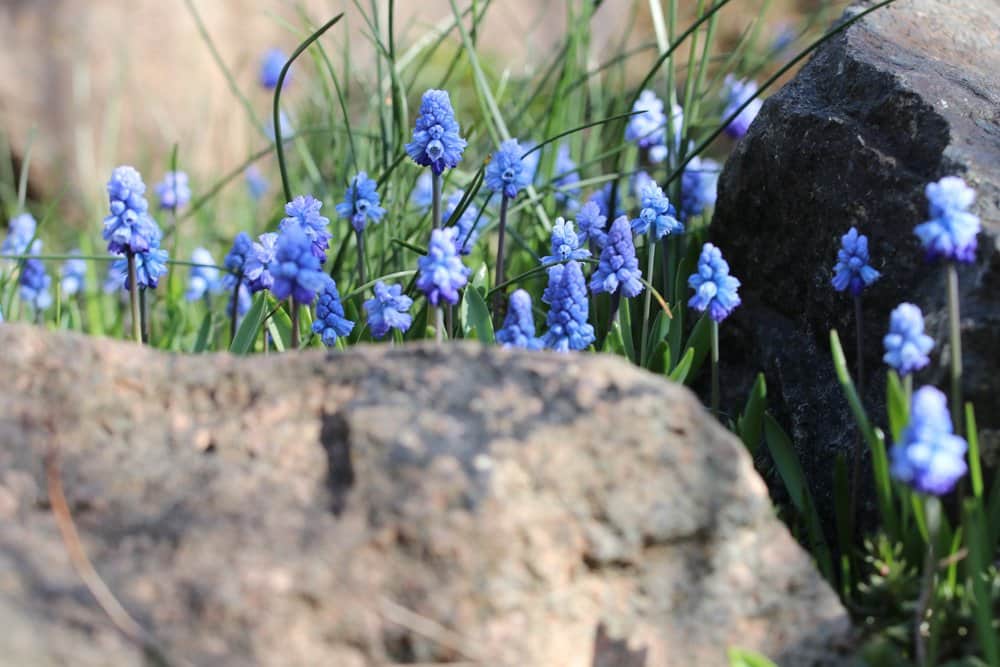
{"points": [[105, 82]]}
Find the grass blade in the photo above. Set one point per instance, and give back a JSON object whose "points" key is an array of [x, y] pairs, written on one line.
{"points": [[250, 326]]}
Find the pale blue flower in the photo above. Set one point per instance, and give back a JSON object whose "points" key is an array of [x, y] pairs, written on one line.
{"points": [[906, 344], [388, 309], [951, 232], [519, 325], [296, 268], [173, 191], [361, 202], [73, 275], [565, 243], [566, 295], [505, 172], [330, 322], [203, 279], [714, 289], [929, 456], [737, 92], [656, 212], [304, 212], [441, 272]]}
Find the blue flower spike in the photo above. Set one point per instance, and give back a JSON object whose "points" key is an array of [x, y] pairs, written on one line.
{"points": [[853, 270]]}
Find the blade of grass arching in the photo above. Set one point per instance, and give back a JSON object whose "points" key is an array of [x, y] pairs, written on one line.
{"points": [[625, 325], [22, 183], [975, 467], [701, 341], [658, 332], [897, 406], [226, 72], [247, 332], [201, 342], [479, 316], [751, 424], [682, 371], [790, 470], [278, 142], [980, 556], [579, 128]]}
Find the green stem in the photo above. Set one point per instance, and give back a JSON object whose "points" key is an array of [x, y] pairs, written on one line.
{"points": [[859, 368], [648, 299], [498, 296], [924, 603], [144, 315], [955, 329], [715, 367], [234, 309], [436, 199], [294, 308], [438, 325], [133, 292], [362, 279]]}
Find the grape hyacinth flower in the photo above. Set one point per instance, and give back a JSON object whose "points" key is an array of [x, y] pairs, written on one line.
{"points": [[423, 192], [618, 270], [361, 203], [602, 198], [506, 173], [951, 232], [303, 212], [270, 68], [173, 191], [236, 259], [330, 322], [257, 185], [566, 295], [129, 227], [565, 244], [257, 269], [436, 140], [715, 291], [737, 92], [388, 309], [639, 181], [699, 186], [566, 178], [647, 130], [34, 282], [591, 223], [853, 270], [469, 224], [656, 214], [906, 344], [204, 279], [519, 326], [72, 275], [19, 235], [296, 268], [150, 266], [929, 456], [441, 272]]}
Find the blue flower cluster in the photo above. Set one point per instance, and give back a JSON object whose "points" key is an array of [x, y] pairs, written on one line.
{"points": [[657, 212], [330, 322], [296, 268], [173, 191], [951, 232], [436, 140], [715, 290], [150, 266], [852, 270], [929, 456], [441, 272], [699, 185], [20, 234], [388, 309], [906, 344], [73, 275], [591, 223], [519, 324], [303, 212], [737, 92], [204, 278], [361, 203], [506, 173], [565, 243], [618, 268], [129, 227], [566, 295], [34, 281], [648, 130], [270, 68]]}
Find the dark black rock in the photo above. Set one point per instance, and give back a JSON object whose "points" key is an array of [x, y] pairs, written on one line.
{"points": [[906, 96]]}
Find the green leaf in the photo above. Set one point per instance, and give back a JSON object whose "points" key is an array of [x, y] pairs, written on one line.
{"points": [[250, 326], [659, 361], [204, 331], [280, 326], [980, 555], [975, 469], [751, 425], [897, 404], [790, 470], [625, 321], [658, 334], [479, 316], [613, 343], [739, 657], [683, 368], [844, 520], [700, 341]]}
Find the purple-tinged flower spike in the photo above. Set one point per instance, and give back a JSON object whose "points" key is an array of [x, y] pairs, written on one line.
{"points": [[906, 344], [519, 326], [852, 270], [270, 68], [296, 269], [441, 272], [236, 260], [34, 281], [591, 223], [469, 224], [436, 141], [150, 266], [330, 322], [257, 269], [129, 227], [257, 185], [304, 212], [699, 185], [388, 309], [204, 279], [565, 243], [173, 191], [647, 129], [506, 173], [737, 92], [929, 457], [423, 192], [361, 203], [73, 275], [618, 268], [951, 232], [566, 178], [714, 289], [566, 295], [656, 213], [19, 235]]}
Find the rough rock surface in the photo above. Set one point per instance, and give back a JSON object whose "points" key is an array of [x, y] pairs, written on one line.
{"points": [[387, 506], [909, 94]]}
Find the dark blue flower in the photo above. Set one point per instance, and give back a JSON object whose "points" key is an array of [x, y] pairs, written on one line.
{"points": [[296, 269], [469, 224], [436, 141], [566, 295], [150, 266], [929, 456], [361, 202], [906, 344], [34, 281], [19, 235], [388, 309], [330, 322], [73, 275], [236, 259], [591, 223], [951, 232], [618, 268], [602, 198], [506, 173], [204, 279], [129, 227], [257, 269], [714, 289], [657, 212], [852, 270], [174, 191], [565, 243], [441, 272], [270, 68], [737, 92], [519, 325], [304, 212], [699, 185]]}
